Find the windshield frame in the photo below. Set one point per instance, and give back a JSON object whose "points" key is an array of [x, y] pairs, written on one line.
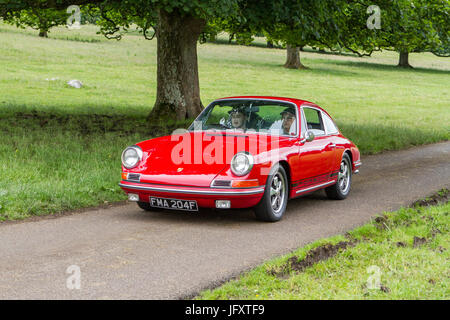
{"points": [[298, 129]]}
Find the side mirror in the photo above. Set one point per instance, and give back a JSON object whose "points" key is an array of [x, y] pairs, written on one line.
{"points": [[308, 137]]}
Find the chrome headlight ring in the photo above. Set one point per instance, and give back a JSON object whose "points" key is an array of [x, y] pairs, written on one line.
{"points": [[242, 163], [131, 157]]}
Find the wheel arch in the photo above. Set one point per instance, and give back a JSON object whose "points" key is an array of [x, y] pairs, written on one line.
{"points": [[349, 152], [287, 168]]}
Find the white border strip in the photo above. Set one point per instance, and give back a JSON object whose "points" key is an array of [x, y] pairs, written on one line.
{"points": [[314, 187]]}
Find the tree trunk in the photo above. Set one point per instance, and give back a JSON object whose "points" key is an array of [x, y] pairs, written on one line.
{"points": [[43, 33], [213, 37], [293, 58], [404, 60], [178, 91], [230, 38]]}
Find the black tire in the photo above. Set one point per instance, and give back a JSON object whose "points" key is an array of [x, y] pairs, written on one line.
{"points": [[147, 207], [264, 210], [341, 189]]}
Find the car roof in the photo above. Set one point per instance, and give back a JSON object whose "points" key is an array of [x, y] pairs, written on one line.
{"points": [[298, 102]]}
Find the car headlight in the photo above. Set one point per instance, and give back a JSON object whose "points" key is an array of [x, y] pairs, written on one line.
{"points": [[131, 157], [242, 163]]}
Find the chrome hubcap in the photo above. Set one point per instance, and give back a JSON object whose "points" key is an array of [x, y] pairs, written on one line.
{"points": [[277, 192], [344, 176]]}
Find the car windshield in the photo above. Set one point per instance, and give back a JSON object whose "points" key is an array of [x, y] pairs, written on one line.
{"points": [[273, 117]]}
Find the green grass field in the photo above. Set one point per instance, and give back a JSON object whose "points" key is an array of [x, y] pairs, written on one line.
{"points": [[400, 255], [60, 147]]}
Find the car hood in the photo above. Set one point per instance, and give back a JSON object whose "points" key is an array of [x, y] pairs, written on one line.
{"points": [[195, 158]]}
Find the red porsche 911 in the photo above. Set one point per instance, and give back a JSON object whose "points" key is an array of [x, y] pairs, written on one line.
{"points": [[242, 152]]}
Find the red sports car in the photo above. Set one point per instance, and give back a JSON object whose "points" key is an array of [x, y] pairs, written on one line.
{"points": [[242, 152]]}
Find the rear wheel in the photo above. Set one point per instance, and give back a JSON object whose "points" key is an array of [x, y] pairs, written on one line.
{"points": [[273, 204], [147, 207], [341, 189]]}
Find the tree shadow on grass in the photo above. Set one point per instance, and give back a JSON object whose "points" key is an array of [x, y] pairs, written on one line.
{"points": [[278, 47], [387, 67], [78, 38], [87, 124], [321, 71], [311, 69]]}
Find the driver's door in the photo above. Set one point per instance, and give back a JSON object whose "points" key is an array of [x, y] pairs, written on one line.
{"points": [[315, 157]]}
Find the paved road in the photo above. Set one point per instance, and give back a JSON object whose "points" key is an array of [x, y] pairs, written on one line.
{"points": [[124, 253]]}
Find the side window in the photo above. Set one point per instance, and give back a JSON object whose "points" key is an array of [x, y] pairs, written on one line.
{"points": [[314, 121], [329, 124]]}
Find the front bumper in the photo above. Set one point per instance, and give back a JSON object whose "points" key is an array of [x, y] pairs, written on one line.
{"points": [[205, 196], [356, 165]]}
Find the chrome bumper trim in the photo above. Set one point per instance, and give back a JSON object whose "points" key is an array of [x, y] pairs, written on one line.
{"points": [[237, 192]]}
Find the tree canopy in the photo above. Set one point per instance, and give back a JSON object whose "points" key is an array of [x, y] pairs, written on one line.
{"points": [[406, 26], [39, 19]]}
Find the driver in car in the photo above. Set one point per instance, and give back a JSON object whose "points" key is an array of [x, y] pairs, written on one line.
{"points": [[288, 118], [238, 118]]}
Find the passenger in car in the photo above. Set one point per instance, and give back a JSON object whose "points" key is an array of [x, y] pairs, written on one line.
{"points": [[288, 119], [238, 118]]}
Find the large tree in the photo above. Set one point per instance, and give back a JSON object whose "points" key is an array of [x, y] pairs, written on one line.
{"points": [[406, 26], [333, 24], [39, 19], [410, 26], [301, 23]]}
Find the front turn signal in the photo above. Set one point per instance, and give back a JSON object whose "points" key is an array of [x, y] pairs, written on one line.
{"points": [[244, 183]]}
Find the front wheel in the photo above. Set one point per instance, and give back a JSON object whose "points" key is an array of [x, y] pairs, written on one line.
{"points": [[273, 203], [341, 189]]}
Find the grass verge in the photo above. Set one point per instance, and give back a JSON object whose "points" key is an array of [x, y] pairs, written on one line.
{"points": [[398, 255], [54, 163]]}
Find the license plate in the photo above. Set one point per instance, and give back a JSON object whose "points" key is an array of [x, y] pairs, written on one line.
{"points": [[174, 204]]}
